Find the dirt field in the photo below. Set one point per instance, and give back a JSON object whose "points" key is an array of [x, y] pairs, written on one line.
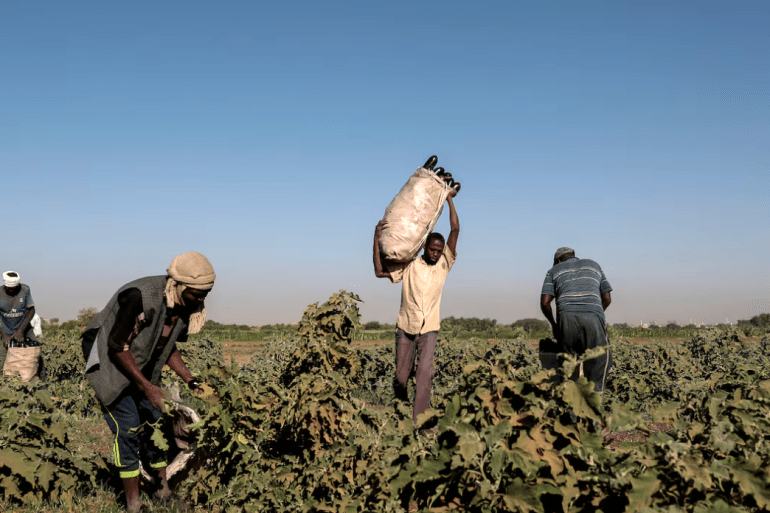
{"points": [[241, 352]]}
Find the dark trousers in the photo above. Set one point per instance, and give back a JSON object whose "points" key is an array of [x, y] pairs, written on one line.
{"points": [[407, 346], [129, 411], [579, 332]]}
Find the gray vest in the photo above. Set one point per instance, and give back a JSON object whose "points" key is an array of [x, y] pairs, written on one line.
{"points": [[106, 374]]}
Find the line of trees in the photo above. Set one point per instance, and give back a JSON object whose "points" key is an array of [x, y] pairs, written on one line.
{"points": [[462, 327], [758, 321]]}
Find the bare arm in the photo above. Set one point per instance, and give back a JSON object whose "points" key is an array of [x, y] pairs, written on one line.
{"points": [[378, 271], [177, 365], [128, 323], [545, 307], [606, 300], [454, 223], [153, 393], [19, 333]]}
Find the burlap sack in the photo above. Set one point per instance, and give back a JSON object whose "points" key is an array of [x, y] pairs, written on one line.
{"points": [[412, 215], [22, 361]]}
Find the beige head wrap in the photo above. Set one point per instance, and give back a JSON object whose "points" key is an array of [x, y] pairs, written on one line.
{"points": [[189, 270], [562, 252]]}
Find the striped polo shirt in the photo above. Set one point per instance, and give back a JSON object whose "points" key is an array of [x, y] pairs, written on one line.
{"points": [[578, 285]]}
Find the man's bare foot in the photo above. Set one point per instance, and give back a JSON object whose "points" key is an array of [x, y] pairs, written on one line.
{"points": [[134, 506], [172, 499]]}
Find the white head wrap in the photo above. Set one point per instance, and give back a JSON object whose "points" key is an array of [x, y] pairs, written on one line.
{"points": [[11, 278], [189, 270]]}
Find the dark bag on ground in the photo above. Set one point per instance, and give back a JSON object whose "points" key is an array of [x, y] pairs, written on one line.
{"points": [[548, 352]]}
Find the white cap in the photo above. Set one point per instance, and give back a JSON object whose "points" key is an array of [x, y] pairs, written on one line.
{"points": [[11, 278]]}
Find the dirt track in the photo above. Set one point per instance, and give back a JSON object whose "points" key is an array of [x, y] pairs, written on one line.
{"points": [[242, 352]]}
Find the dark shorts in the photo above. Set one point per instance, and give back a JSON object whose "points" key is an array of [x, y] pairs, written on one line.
{"points": [[579, 332], [129, 411]]}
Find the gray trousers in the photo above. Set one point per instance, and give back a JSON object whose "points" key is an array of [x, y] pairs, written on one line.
{"points": [[580, 331], [406, 347]]}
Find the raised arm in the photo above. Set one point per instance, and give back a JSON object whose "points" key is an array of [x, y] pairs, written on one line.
{"points": [[454, 223], [378, 271]]}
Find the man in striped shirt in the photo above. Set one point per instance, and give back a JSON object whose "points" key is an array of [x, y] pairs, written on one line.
{"points": [[582, 294]]}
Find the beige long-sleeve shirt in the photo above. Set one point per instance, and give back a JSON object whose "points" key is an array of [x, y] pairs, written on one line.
{"points": [[421, 292]]}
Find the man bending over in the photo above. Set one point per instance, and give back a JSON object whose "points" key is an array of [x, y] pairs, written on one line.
{"points": [[126, 347], [582, 295]]}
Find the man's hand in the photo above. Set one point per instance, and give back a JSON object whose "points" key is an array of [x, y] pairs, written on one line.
{"points": [[545, 307], [556, 332], [378, 229], [452, 192], [6, 339], [378, 270], [155, 395]]}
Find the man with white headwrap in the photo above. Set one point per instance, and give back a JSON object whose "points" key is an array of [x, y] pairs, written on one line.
{"points": [[16, 312], [126, 346]]}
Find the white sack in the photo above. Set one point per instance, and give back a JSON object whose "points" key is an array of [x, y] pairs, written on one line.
{"points": [[412, 215], [22, 361], [184, 416], [37, 326]]}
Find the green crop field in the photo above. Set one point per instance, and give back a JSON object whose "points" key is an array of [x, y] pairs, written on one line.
{"points": [[308, 423]]}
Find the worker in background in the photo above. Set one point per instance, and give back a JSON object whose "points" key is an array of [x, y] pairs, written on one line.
{"points": [[17, 309], [582, 295]]}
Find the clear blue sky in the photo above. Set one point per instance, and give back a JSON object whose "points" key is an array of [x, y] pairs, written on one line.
{"points": [[270, 136]]}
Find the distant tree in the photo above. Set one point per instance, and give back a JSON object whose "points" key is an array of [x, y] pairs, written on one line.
{"points": [[761, 320], [81, 321], [85, 315], [372, 325], [529, 325], [673, 326], [468, 324], [620, 325], [50, 323]]}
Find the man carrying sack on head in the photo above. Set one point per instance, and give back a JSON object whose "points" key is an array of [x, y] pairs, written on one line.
{"points": [[418, 322], [20, 350], [126, 346]]}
